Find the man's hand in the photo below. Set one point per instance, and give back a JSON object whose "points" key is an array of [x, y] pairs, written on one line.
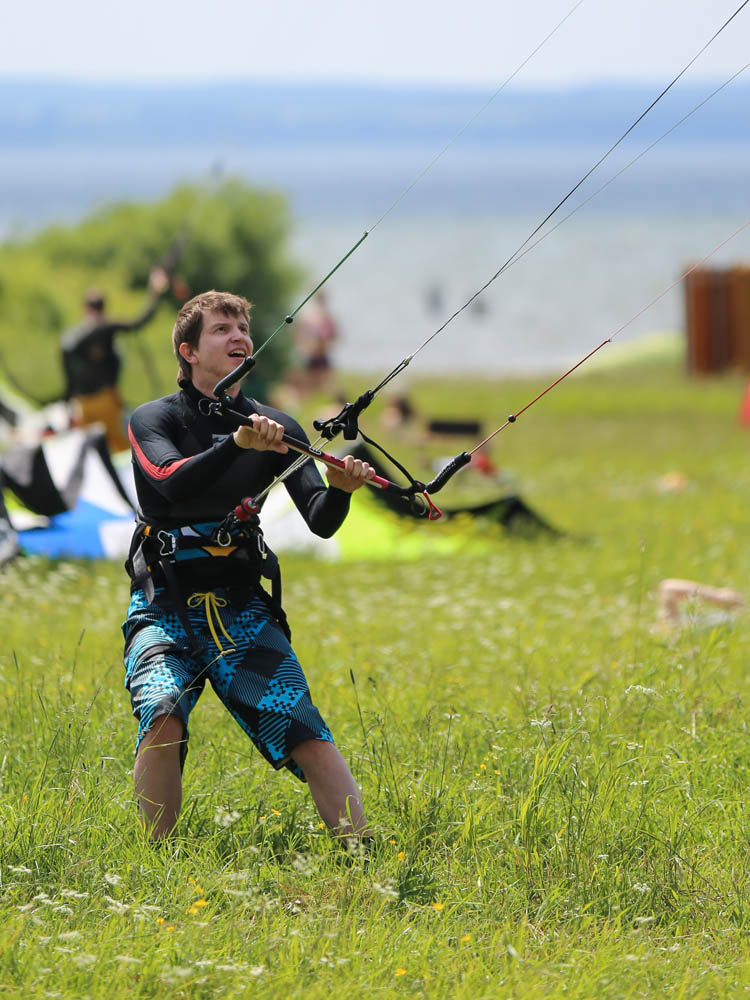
{"points": [[158, 281], [354, 474], [264, 435]]}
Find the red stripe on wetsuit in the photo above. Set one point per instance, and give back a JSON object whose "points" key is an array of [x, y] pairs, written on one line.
{"points": [[155, 471]]}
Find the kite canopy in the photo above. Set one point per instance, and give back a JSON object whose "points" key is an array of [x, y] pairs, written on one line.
{"points": [[75, 502], [9, 547], [78, 503]]}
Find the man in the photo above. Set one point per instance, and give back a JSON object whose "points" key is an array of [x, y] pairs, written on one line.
{"points": [[198, 610], [91, 362]]}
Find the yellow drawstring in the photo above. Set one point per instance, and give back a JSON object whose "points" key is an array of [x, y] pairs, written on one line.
{"points": [[211, 604]]}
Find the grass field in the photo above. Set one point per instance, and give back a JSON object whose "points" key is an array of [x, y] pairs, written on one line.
{"points": [[558, 786]]}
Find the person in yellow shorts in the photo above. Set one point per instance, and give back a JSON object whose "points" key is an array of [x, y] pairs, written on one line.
{"points": [[92, 363]]}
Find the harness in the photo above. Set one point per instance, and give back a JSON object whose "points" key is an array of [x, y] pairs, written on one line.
{"points": [[156, 548]]}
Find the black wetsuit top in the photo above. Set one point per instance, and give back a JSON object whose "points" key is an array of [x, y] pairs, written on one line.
{"points": [[89, 355], [188, 471]]}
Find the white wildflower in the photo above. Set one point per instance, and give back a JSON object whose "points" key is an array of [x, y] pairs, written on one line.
{"points": [[225, 817], [116, 906], [640, 689], [177, 972], [83, 960], [386, 889]]}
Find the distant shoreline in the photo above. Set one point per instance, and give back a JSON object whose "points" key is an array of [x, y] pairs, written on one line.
{"points": [[64, 113]]}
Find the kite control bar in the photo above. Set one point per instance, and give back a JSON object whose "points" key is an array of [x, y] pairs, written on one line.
{"points": [[220, 389], [410, 492], [416, 492]]}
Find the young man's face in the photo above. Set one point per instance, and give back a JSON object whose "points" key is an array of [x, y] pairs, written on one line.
{"points": [[223, 343]]}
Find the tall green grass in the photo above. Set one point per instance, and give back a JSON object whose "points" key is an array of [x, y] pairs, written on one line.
{"points": [[558, 786]]}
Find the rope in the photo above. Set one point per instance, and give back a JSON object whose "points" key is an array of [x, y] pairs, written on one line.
{"points": [[576, 186], [514, 416], [211, 604], [290, 317]]}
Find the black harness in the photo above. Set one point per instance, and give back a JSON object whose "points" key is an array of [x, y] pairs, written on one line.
{"points": [[158, 550]]}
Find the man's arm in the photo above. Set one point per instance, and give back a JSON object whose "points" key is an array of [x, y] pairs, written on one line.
{"points": [[153, 432], [157, 427], [324, 508], [158, 282]]}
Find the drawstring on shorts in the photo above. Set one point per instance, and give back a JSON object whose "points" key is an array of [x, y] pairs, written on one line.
{"points": [[211, 604]]}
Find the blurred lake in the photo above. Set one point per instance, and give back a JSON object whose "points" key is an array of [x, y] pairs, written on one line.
{"points": [[446, 237]]}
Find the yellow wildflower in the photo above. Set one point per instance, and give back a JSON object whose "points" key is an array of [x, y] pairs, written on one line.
{"points": [[200, 902], [400, 972], [465, 939], [160, 921], [401, 855], [276, 812], [437, 906]]}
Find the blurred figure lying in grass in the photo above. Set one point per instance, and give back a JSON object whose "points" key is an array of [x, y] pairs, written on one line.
{"points": [[673, 595]]}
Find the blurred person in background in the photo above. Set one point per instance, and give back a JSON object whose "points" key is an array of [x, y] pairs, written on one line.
{"points": [[315, 333], [92, 363]]}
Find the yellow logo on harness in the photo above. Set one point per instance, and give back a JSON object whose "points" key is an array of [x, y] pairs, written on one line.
{"points": [[219, 550]]}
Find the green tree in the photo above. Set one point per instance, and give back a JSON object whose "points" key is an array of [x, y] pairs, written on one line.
{"points": [[228, 236]]}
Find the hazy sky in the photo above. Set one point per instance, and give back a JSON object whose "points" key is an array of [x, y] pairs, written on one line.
{"points": [[394, 41]]}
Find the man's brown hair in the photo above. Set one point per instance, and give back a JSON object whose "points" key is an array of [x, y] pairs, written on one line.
{"points": [[189, 322]]}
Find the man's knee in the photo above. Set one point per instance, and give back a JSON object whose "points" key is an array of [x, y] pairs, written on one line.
{"points": [[311, 752], [166, 733]]}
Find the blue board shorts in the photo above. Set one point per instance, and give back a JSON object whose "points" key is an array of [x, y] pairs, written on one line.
{"points": [[239, 647]]}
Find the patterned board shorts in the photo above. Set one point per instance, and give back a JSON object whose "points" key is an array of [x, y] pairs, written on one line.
{"points": [[243, 653]]}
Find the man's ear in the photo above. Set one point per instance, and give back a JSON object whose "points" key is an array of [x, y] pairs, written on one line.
{"points": [[187, 352]]}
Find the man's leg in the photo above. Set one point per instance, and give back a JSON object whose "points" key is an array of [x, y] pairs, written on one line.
{"points": [[157, 776], [332, 786]]}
